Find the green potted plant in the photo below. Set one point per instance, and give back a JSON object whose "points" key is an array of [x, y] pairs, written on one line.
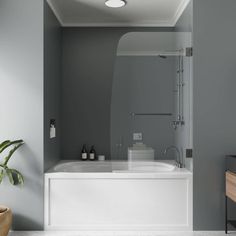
{"points": [[14, 177]]}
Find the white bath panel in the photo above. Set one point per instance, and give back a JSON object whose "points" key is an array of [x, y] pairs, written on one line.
{"points": [[77, 202]]}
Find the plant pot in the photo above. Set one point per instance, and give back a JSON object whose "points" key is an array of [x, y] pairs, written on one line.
{"points": [[5, 220]]}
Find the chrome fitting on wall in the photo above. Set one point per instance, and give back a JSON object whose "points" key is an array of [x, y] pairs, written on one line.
{"points": [[180, 92]]}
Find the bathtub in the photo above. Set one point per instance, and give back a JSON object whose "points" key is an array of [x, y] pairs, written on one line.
{"points": [[118, 196]]}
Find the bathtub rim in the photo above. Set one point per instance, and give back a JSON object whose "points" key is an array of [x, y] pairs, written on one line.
{"points": [[177, 172]]}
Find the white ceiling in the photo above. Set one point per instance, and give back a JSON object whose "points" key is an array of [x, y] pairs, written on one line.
{"points": [[136, 13]]}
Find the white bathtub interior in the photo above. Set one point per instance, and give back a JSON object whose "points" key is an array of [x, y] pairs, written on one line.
{"points": [[114, 166]]}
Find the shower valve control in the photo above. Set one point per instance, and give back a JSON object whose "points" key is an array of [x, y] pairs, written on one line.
{"points": [[137, 136]]}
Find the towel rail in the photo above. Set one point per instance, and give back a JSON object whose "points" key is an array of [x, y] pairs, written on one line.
{"points": [[151, 114]]}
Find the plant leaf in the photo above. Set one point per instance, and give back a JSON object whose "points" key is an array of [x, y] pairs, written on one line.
{"points": [[7, 158], [20, 178], [3, 144], [2, 175], [10, 177], [8, 143], [14, 176]]}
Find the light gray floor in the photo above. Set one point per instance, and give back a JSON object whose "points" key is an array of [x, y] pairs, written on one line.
{"points": [[71, 233]]}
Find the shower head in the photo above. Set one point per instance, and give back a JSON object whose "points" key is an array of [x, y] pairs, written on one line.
{"points": [[174, 53]]}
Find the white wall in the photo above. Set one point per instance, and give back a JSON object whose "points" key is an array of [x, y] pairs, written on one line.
{"points": [[21, 106]]}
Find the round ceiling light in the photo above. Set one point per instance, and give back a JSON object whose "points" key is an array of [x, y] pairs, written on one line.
{"points": [[115, 3]]}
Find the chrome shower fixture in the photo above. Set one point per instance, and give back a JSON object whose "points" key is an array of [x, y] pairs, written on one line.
{"points": [[162, 56], [179, 121]]}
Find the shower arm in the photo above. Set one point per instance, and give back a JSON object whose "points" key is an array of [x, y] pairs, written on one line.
{"points": [[184, 52], [175, 53]]}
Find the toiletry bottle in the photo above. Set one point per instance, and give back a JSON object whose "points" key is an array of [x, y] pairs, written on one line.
{"points": [[84, 153], [92, 154]]}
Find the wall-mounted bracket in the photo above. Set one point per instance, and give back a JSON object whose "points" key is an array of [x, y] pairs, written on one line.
{"points": [[189, 52]]}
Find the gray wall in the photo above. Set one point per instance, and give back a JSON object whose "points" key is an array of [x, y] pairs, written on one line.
{"points": [[21, 114], [88, 63], [185, 22], [142, 84], [213, 107], [52, 80]]}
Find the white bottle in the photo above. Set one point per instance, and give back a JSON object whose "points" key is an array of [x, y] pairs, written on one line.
{"points": [[52, 131]]}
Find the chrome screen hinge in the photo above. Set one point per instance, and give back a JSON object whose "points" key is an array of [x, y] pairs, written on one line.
{"points": [[189, 52]]}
